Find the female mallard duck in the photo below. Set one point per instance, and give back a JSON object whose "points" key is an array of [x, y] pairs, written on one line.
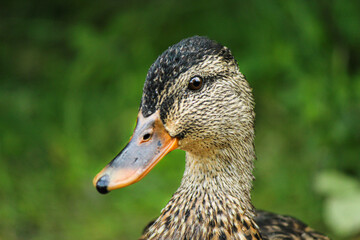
{"points": [[196, 99]]}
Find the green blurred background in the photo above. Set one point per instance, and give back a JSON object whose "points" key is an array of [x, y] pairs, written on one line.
{"points": [[71, 77]]}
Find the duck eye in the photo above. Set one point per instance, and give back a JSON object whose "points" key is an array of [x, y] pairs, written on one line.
{"points": [[195, 83]]}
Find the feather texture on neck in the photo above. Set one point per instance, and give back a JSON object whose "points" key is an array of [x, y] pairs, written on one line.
{"points": [[213, 200]]}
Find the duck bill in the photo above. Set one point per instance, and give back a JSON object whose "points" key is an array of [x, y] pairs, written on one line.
{"points": [[149, 143]]}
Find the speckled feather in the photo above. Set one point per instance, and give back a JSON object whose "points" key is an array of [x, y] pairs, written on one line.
{"points": [[215, 126], [274, 226]]}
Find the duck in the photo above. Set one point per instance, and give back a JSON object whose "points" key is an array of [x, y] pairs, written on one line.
{"points": [[196, 99]]}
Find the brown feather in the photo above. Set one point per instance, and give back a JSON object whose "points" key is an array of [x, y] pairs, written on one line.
{"points": [[215, 126]]}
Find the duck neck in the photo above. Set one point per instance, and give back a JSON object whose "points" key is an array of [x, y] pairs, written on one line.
{"points": [[213, 199], [225, 172]]}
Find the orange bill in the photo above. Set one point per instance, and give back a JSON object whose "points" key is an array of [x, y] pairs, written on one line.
{"points": [[149, 143]]}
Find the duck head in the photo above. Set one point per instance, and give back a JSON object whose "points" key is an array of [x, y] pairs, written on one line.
{"points": [[194, 99]]}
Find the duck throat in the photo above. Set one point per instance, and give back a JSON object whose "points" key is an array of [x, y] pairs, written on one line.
{"points": [[226, 172], [213, 200]]}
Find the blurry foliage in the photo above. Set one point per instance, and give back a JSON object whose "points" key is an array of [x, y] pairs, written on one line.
{"points": [[71, 76], [342, 203]]}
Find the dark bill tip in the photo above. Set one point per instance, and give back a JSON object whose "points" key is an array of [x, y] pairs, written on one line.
{"points": [[102, 184], [149, 143]]}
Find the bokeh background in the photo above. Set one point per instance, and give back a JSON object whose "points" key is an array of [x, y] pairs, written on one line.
{"points": [[70, 85]]}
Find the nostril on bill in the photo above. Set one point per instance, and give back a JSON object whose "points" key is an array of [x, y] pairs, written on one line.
{"points": [[102, 184], [146, 137]]}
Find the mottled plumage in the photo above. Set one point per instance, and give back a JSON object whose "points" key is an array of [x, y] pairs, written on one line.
{"points": [[274, 226], [215, 126]]}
